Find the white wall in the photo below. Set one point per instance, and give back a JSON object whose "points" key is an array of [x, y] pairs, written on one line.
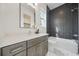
{"points": [[1, 22], [9, 19]]}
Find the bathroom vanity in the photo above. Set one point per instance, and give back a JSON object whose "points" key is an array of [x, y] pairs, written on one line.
{"points": [[24, 45]]}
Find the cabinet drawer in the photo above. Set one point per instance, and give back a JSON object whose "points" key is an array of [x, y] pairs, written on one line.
{"points": [[0, 52], [14, 49], [35, 41]]}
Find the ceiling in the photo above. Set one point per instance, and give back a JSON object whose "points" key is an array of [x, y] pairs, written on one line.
{"points": [[50, 5], [54, 5]]}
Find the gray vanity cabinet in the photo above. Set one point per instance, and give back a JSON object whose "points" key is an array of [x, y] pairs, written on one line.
{"points": [[44, 47], [18, 49], [31, 51], [35, 50], [0, 52], [38, 49], [33, 47]]}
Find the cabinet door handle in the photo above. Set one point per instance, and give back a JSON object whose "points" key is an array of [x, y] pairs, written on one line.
{"points": [[17, 50]]}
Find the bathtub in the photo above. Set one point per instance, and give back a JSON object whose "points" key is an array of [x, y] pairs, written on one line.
{"points": [[67, 46]]}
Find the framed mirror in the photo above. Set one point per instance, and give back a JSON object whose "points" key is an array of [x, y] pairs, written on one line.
{"points": [[27, 15]]}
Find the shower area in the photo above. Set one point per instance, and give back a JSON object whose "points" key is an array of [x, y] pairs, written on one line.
{"points": [[62, 27]]}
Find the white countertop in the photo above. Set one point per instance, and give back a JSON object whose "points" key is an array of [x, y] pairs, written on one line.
{"points": [[13, 39]]}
